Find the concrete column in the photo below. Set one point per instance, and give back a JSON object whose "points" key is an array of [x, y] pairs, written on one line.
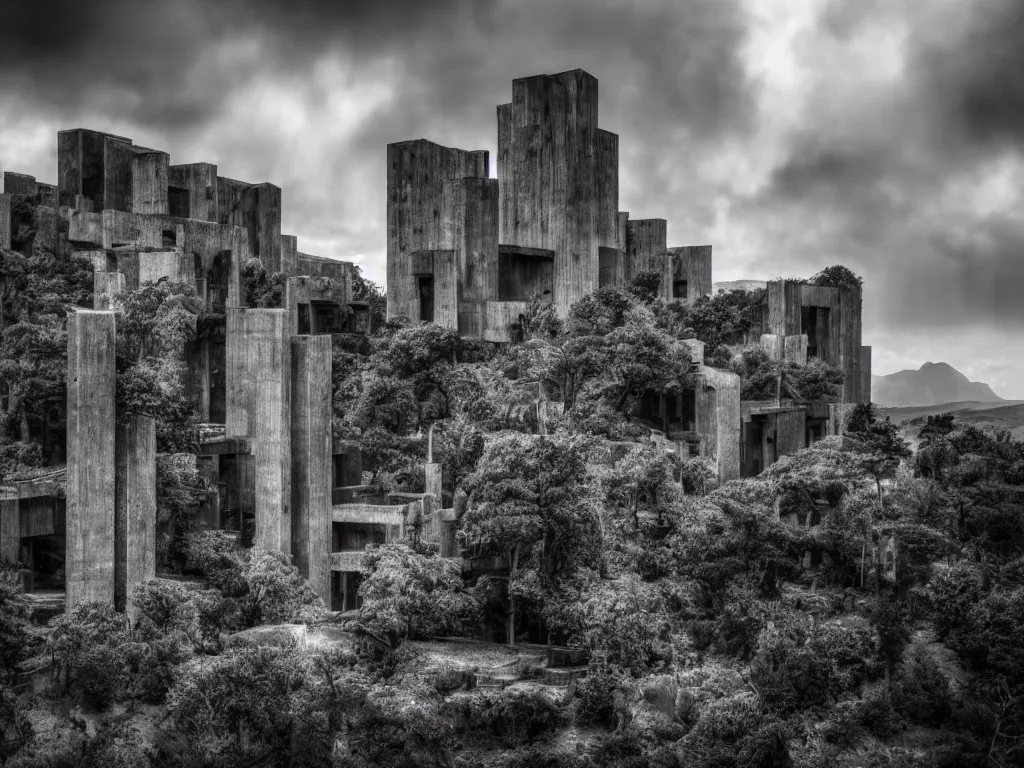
{"points": [[311, 460], [433, 482], [10, 530], [259, 407], [90, 451], [135, 534]]}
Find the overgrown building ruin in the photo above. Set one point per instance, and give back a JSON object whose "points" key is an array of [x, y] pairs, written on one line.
{"points": [[465, 251]]}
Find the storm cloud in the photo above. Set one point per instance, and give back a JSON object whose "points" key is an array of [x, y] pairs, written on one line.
{"points": [[882, 135]]}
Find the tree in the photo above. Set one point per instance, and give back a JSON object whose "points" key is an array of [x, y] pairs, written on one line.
{"points": [[364, 289], [407, 593], [533, 493], [262, 288], [153, 325], [882, 448], [836, 276]]}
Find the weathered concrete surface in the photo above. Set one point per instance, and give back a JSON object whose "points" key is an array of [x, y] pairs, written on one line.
{"points": [[156, 265], [349, 459], [19, 184], [432, 482], [289, 254], [646, 247], [5, 221], [149, 182], [104, 286], [86, 229], [259, 407], [557, 175], [10, 530], [311, 421], [91, 458], [690, 264], [718, 419], [240, 253], [831, 320], [258, 211], [135, 527], [422, 217], [500, 316], [199, 180]]}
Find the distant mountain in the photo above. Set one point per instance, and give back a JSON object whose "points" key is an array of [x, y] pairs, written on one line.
{"points": [[931, 384], [739, 285]]}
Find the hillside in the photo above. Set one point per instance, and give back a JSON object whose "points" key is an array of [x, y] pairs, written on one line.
{"points": [[931, 384]]}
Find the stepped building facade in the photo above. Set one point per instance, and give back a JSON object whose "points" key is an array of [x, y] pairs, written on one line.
{"points": [[463, 250]]}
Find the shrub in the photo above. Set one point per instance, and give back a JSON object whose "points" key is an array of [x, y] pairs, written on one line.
{"points": [[595, 696], [920, 692]]}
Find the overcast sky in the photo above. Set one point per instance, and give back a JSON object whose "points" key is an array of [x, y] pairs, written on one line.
{"points": [[886, 135]]}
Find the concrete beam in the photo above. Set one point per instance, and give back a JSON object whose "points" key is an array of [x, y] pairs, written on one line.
{"points": [[91, 496]]}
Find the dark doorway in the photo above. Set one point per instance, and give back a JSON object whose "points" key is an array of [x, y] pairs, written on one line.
{"points": [[427, 298], [679, 289], [305, 327]]}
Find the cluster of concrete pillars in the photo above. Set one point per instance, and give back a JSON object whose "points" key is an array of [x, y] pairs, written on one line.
{"points": [[279, 397]]}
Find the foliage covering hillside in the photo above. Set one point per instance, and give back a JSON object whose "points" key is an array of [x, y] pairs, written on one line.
{"points": [[855, 605]]}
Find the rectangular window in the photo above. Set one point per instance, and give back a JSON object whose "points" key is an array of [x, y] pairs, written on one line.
{"points": [[304, 323]]}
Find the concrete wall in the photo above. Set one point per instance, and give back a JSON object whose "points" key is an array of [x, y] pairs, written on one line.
{"points": [[258, 211], [229, 196], [86, 229], [311, 427], [5, 221], [718, 419], [499, 316], [258, 373], [104, 286], [135, 502], [200, 182], [837, 318], [19, 184], [422, 216], [155, 265], [470, 211], [289, 254], [118, 186], [91, 458], [790, 432], [691, 263], [149, 182], [646, 247], [558, 177]]}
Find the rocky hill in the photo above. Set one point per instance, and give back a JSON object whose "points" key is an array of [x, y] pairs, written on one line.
{"points": [[931, 384]]}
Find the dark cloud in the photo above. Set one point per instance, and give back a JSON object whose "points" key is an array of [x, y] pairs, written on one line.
{"points": [[871, 177], [973, 75]]}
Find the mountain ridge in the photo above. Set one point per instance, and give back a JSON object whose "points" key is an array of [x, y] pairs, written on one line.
{"points": [[931, 384]]}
